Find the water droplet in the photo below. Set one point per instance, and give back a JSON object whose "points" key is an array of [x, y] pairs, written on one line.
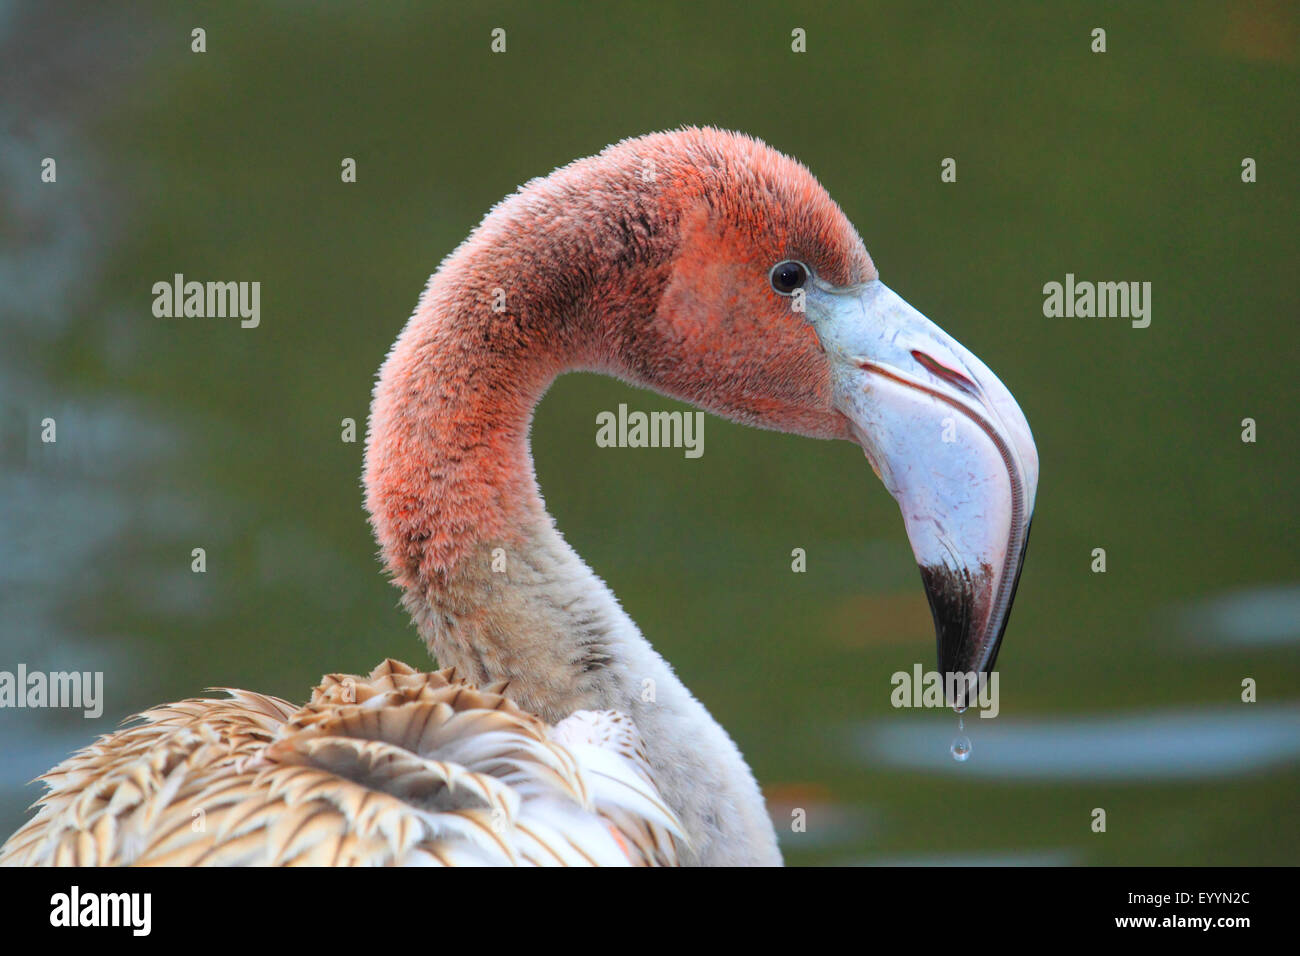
{"points": [[961, 749], [961, 743]]}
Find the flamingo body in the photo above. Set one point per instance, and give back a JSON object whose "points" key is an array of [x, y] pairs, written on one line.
{"points": [[699, 263], [395, 768]]}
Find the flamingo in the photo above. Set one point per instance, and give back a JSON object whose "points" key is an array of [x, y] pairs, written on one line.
{"points": [[702, 264]]}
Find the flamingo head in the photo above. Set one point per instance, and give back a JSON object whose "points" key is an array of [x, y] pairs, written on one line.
{"points": [[770, 311]]}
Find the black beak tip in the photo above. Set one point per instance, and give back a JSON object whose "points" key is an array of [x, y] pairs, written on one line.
{"points": [[959, 625], [952, 594]]}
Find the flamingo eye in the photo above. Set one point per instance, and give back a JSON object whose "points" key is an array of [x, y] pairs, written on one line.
{"points": [[788, 276]]}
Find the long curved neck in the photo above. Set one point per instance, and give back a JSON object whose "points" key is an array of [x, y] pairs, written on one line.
{"points": [[492, 586]]}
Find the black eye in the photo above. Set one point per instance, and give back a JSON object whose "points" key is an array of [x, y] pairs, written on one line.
{"points": [[788, 276]]}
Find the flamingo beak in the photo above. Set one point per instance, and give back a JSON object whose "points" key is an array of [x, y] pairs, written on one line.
{"points": [[952, 447]]}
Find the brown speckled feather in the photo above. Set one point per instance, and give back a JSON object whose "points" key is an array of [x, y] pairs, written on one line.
{"points": [[396, 768]]}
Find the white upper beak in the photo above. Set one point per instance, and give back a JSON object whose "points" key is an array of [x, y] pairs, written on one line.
{"points": [[952, 447]]}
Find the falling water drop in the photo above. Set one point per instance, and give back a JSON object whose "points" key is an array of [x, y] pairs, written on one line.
{"points": [[961, 744]]}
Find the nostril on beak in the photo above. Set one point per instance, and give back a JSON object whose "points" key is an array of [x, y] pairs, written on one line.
{"points": [[950, 375]]}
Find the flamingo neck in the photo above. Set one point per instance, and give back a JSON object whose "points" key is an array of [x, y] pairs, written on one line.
{"points": [[492, 586]]}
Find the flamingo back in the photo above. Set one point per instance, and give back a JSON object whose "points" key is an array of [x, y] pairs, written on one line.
{"points": [[399, 767]]}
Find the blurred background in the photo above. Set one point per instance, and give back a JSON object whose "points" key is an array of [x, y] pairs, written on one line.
{"points": [[1119, 690]]}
